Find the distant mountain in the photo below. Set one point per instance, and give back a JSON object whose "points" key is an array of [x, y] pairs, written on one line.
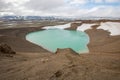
{"points": [[54, 18], [97, 18], [33, 18]]}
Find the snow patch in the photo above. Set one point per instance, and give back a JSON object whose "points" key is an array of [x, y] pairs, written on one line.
{"points": [[58, 26], [112, 27], [84, 27]]}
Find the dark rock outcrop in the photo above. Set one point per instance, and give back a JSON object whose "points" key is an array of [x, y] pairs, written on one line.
{"points": [[74, 26], [95, 26], [5, 49], [65, 51]]}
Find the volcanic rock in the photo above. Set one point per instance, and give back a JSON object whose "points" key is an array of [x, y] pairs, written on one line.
{"points": [[5, 49], [74, 26], [65, 51]]}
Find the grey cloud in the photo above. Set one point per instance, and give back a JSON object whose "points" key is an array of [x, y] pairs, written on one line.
{"points": [[3, 5], [54, 7], [44, 4]]}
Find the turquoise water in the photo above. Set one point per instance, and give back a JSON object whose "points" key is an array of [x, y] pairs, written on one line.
{"points": [[55, 38]]}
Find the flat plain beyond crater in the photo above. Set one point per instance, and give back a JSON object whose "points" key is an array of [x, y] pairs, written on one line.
{"points": [[32, 62]]}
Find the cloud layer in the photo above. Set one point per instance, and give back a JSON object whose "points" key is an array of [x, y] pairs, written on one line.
{"points": [[84, 8]]}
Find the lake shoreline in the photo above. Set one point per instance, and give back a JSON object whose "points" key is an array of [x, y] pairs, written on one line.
{"points": [[51, 39]]}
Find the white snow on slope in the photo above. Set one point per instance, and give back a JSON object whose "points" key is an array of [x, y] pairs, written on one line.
{"points": [[58, 26], [84, 27], [112, 27]]}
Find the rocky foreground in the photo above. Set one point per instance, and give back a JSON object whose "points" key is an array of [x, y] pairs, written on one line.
{"points": [[31, 62]]}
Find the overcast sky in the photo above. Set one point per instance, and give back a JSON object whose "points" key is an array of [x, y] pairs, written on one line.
{"points": [[84, 8]]}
